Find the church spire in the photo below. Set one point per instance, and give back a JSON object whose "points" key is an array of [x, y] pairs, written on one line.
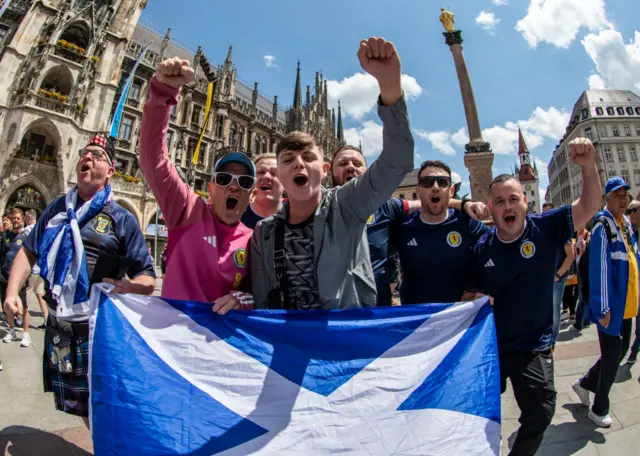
{"points": [[522, 146], [228, 60], [297, 96], [340, 129]]}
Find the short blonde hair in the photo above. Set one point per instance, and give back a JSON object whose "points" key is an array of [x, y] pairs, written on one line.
{"points": [[263, 157], [634, 204]]}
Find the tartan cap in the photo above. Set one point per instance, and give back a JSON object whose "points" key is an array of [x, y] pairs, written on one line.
{"points": [[105, 143]]}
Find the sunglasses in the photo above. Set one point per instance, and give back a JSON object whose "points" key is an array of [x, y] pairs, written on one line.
{"points": [[95, 154], [223, 179], [428, 181], [632, 211]]}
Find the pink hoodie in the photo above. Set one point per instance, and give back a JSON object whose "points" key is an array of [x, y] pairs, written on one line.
{"points": [[208, 259]]}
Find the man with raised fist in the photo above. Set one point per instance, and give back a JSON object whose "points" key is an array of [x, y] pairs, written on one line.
{"points": [[313, 254], [207, 244]]}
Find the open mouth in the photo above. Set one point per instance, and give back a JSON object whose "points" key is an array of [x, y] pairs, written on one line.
{"points": [[301, 180], [85, 168], [348, 177], [435, 199], [265, 187], [510, 219], [231, 203]]}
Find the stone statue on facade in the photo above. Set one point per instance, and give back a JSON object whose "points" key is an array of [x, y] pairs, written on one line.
{"points": [[446, 17]]}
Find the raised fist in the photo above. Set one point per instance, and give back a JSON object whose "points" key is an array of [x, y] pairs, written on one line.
{"points": [[582, 152], [174, 72], [379, 58]]}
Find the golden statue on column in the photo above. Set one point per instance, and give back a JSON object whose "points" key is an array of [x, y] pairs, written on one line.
{"points": [[446, 17]]}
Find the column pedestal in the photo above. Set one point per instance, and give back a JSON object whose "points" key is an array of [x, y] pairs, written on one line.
{"points": [[480, 174]]}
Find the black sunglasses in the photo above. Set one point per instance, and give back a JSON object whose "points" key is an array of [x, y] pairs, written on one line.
{"points": [[632, 211], [223, 179], [428, 181]]}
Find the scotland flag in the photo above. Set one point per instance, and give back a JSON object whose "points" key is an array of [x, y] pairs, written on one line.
{"points": [[173, 378]]}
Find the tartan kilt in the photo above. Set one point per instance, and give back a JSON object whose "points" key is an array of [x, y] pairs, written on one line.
{"points": [[70, 391]]}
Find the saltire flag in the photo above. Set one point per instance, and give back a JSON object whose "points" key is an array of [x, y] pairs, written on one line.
{"points": [[173, 378], [117, 115], [207, 111]]}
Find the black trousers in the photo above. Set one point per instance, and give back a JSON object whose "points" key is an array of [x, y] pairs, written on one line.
{"points": [[601, 376], [531, 376], [570, 298]]}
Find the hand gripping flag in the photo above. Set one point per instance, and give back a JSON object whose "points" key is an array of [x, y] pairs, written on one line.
{"points": [[173, 378]]}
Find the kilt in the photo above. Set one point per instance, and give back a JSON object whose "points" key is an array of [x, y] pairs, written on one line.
{"points": [[70, 390]]}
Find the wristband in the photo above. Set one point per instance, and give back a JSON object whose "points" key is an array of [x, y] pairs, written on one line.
{"points": [[464, 201]]}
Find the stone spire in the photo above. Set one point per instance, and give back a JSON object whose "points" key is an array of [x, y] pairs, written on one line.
{"points": [[196, 58], [275, 108], [340, 135], [229, 60], [165, 44], [308, 97], [254, 96], [297, 95]]}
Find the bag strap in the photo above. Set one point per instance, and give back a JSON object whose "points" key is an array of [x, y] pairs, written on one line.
{"points": [[280, 266]]}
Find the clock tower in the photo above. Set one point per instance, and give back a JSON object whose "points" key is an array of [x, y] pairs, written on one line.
{"points": [[528, 176]]}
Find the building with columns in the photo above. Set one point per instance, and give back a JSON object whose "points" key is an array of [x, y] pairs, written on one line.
{"points": [[63, 66], [528, 176], [611, 120]]}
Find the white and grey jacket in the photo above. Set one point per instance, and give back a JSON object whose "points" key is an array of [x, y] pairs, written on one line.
{"points": [[344, 275]]}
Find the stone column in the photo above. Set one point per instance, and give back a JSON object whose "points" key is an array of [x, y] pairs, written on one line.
{"points": [[478, 156]]}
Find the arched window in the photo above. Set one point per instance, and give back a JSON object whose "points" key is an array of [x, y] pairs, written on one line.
{"points": [[76, 34], [233, 132], [57, 84]]}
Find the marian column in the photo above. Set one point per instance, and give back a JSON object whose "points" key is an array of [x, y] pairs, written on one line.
{"points": [[478, 156]]}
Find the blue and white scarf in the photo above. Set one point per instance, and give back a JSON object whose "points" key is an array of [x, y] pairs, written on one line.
{"points": [[62, 259]]}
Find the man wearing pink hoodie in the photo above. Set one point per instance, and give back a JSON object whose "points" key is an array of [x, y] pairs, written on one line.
{"points": [[207, 246]]}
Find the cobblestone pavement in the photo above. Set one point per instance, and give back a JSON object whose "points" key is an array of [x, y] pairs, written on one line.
{"points": [[31, 426]]}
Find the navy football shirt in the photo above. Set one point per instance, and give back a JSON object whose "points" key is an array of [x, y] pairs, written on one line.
{"points": [[114, 232], [519, 275], [250, 219], [378, 227], [434, 257]]}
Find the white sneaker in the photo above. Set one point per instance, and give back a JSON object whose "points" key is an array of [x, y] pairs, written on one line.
{"points": [[10, 337], [582, 393], [602, 421], [574, 329], [26, 340]]}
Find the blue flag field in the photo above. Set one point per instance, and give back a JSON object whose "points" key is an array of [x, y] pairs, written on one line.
{"points": [[173, 378]]}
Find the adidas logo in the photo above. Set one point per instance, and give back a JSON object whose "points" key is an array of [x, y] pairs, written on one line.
{"points": [[490, 264], [413, 242], [211, 240]]}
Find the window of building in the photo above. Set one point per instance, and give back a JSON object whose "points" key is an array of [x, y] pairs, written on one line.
{"points": [[627, 130], [125, 128], [585, 114], [620, 111], [415, 196], [219, 126], [603, 131], [599, 111], [614, 129], [169, 139], [196, 115], [638, 129], [611, 173], [401, 195], [625, 175], [629, 110], [3, 33], [610, 111], [636, 176], [608, 156], [588, 134], [621, 155], [633, 153], [638, 110], [136, 89], [173, 112]]}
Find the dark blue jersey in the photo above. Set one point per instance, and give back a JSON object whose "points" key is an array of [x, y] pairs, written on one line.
{"points": [[434, 257], [250, 219], [12, 247], [113, 233], [519, 275], [378, 227]]}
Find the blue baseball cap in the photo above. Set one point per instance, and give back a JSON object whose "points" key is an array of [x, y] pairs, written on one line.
{"points": [[237, 157], [615, 183]]}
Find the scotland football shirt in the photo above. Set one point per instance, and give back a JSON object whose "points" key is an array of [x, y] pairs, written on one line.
{"points": [[434, 257], [519, 275]]}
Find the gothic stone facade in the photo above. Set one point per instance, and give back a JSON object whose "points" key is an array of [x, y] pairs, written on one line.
{"points": [[64, 63]]}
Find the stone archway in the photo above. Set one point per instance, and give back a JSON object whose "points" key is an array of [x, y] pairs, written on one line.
{"points": [[129, 207], [25, 192]]}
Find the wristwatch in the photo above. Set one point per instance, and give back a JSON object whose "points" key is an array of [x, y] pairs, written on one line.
{"points": [[464, 201]]}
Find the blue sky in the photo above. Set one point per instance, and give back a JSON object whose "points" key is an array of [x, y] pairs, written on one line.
{"points": [[529, 61]]}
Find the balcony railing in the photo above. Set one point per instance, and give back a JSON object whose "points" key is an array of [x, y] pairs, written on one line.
{"points": [[133, 103], [123, 143], [50, 104], [69, 54]]}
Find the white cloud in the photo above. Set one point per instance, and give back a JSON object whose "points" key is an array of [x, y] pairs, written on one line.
{"points": [[455, 177], [558, 22], [617, 63], [270, 61], [499, 2], [440, 140], [370, 134], [488, 21], [540, 125], [358, 93]]}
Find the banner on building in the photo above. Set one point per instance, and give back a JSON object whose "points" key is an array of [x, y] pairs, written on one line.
{"points": [[207, 111]]}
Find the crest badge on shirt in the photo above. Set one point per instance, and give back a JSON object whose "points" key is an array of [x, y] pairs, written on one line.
{"points": [[454, 239], [371, 219], [527, 249], [101, 224], [240, 258], [19, 242], [236, 283]]}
